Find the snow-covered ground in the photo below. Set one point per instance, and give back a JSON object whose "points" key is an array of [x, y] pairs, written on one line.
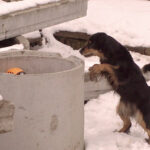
{"points": [[127, 21], [100, 122]]}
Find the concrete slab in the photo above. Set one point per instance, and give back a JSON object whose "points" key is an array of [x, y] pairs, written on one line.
{"points": [[32, 19]]}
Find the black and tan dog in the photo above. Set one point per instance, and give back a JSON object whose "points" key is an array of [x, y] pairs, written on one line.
{"points": [[125, 77]]}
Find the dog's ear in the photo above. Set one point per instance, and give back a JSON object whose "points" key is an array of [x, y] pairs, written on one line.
{"points": [[98, 40], [113, 48], [102, 39]]}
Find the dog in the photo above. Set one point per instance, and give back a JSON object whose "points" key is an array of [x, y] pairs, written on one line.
{"points": [[124, 76], [146, 71]]}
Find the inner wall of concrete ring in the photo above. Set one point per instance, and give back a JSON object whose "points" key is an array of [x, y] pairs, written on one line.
{"points": [[48, 99]]}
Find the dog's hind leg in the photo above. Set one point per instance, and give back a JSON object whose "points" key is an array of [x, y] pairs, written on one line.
{"points": [[140, 120], [122, 111]]}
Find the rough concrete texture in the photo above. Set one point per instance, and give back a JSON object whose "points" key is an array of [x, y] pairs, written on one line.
{"points": [[40, 17], [94, 89], [6, 116], [48, 99]]}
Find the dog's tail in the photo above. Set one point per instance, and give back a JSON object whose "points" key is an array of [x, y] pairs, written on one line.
{"points": [[146, 68], [146, 71]]}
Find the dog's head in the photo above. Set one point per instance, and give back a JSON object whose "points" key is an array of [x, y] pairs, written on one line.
{"points": [[94, 46], [105, 47]]}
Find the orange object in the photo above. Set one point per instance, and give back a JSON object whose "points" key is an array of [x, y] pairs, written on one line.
{"points": [[16, 71]]}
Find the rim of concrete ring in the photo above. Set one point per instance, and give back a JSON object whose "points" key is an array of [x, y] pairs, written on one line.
{"points": [[17, 53]]}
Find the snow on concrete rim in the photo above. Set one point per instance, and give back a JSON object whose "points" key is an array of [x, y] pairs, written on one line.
{"points": [[6, 7]]}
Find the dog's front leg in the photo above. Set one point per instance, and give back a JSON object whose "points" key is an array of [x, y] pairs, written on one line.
{"points": [[95, 71]]}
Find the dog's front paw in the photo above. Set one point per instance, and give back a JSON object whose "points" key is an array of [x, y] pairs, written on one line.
{"points": [[95, 72], [95, 68]]}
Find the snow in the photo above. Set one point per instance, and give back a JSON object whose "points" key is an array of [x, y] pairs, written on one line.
{"points": [[32, 35], [101, 121], [6, 8], [13, 47], [127, 21]]}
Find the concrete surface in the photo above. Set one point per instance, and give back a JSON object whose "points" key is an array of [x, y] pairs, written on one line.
{"points": [[7, 110], [24, 21], [48, 99], [94, 89]]}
